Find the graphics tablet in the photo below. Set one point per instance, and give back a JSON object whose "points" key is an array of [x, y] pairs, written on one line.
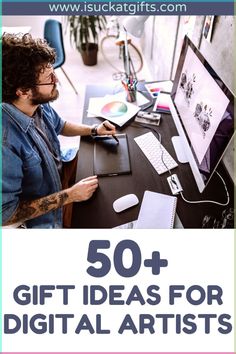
{"points": [[111, 158]]}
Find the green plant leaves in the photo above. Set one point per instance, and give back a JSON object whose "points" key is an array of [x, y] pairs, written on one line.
{"points": [[85, 29]]}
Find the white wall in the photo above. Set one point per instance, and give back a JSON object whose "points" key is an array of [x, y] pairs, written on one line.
{"points": [[35, 22]]}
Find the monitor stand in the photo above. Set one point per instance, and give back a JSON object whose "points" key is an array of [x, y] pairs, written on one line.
{"points": [[179, 150]]}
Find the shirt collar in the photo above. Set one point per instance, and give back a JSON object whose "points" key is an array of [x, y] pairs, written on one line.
{"points": [[21, 119]]}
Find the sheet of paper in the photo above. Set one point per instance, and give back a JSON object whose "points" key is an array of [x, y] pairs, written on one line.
{"points": [[121, 96], [92, 103], [162, 103], [113, 108], [157, 211], [155, 87], [132, 224]]}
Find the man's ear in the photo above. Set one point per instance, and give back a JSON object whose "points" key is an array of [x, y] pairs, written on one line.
{"points": [[23, 93]]}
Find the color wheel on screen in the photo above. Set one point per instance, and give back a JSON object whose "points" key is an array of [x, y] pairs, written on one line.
{"points": [[114, 109]]}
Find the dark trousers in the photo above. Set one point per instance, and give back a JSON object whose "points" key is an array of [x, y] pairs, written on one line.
{"points": [[68, 179]]}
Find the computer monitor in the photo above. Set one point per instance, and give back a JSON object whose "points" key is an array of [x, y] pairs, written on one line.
{"points": [[203, 110]]}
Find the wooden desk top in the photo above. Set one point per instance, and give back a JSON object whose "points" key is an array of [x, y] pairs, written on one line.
{"points": [[98, 211]]}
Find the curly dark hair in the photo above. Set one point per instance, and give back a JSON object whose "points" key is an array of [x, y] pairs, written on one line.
{"points": [[22, 60]]}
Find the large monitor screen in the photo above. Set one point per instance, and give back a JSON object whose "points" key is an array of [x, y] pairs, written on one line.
{"points": [[205, 107]]}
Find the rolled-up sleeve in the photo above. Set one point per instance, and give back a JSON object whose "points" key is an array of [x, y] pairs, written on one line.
{"points": [[11, 182]]}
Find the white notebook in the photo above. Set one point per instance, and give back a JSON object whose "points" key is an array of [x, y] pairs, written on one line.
{"points": [[157, 211]]}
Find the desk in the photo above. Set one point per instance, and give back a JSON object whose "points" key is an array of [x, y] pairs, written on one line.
{"points": [[97, 212]]}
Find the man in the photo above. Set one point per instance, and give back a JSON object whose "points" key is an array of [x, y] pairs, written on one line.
{"points": [[32, 169]]}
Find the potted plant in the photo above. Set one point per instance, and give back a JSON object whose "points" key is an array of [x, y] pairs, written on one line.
{"points": [[84, 31]]}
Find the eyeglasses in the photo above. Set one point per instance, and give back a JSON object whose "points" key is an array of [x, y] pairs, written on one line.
{"points": [[53, 80]]}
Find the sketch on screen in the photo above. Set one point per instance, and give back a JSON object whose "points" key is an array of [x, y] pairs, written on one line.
{"points": [[187, 85], [203, 114], [199, 97]]}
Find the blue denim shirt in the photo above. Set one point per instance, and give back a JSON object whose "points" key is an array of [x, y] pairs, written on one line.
{"points": [[28, 168]]}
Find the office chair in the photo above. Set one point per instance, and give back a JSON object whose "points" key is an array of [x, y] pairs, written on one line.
{"points": [[53, 35]]}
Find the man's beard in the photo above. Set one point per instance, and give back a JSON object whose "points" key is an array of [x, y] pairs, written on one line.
{"points": [[39, 98]]}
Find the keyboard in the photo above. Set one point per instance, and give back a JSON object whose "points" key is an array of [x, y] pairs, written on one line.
{"points": [[155, 152]]}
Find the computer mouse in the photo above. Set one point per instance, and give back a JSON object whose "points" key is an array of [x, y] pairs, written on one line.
{"points": [[125, 202]]}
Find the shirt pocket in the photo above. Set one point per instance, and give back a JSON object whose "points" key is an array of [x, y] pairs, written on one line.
{"points": [[33, 179], [31, 160]]}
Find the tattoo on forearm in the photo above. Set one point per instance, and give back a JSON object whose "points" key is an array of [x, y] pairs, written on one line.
{"points": [[62, 198], [23, 213], [46, 204], [31, 209]]}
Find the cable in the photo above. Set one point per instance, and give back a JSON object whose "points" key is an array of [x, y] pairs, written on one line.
{"points": [[209, 201], [193, 201], [186, 200]]}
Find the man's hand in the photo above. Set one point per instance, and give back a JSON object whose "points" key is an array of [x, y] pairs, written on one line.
{"points": [[84, 189], [30, 209], [106, 128]]}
